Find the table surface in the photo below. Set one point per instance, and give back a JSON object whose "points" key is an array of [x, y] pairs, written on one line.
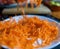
{"points": [[56, 14]]}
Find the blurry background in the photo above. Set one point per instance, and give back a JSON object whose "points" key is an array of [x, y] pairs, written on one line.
{"points": [[50, 7]]}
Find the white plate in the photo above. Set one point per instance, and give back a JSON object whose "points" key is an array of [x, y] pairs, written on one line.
{"points": [[53, 44]]}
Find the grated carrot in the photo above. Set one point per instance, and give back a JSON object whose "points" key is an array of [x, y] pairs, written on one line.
{"points": [[15, 34]]}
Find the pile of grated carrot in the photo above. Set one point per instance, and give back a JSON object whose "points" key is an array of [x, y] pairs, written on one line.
{"points": [[16, 34], [32, 2]]}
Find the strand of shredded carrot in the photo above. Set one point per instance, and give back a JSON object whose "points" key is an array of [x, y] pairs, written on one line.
{"points": [[16, 34]]}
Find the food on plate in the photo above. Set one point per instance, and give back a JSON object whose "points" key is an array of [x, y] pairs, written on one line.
{"points": [[37, 2], [27, 33]]}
